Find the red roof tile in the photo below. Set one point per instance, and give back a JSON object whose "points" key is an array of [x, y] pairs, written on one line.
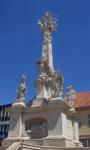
{"points": [[82, 100]]}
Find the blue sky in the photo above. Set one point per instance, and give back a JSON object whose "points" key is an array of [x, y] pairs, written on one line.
{"points": [[21, 43]]}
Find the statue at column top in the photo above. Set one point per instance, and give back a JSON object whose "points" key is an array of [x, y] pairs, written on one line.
{"points": [[21, 91], [48, 23]]}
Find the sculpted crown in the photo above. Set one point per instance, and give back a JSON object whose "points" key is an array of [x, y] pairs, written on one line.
{"points": [[48, 23]]}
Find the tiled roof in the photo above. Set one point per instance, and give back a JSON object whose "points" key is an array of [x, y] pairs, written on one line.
{"points": [[82, 100]]}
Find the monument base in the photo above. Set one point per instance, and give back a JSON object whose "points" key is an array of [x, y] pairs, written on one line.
{"points": [[58, 142]]}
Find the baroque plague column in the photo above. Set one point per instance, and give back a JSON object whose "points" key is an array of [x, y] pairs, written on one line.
{"points": [[48, 120], [49, 82]]}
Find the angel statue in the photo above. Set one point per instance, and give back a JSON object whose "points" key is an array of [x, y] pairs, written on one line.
{"points": [[21, 91]]}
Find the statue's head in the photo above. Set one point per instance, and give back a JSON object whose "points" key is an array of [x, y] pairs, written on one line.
{"points": [[23, 77]]}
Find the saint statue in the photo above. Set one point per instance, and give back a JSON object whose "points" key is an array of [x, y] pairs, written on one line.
{"points": [[21, 91]]}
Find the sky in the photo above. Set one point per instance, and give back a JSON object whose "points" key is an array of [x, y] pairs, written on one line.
{"points": [[21, 44]]}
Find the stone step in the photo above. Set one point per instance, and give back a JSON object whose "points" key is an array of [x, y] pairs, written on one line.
{"points": [[2, 148], [34, 142]]}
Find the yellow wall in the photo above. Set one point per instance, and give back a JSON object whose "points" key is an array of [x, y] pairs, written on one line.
{"points": [[85, 129]]}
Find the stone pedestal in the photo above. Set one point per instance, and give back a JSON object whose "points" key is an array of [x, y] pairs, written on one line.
{"points": [[48, 123], [16, 122]]}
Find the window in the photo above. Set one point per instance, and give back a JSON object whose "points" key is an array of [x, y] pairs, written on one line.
{"points": [[84, 141], [0, 128], [79, 122], [89, 120], [88, 142]]}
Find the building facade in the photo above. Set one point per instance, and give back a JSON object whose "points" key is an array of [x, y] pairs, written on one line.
{"points": [[81, 103], [82, 106], [4, 121]]}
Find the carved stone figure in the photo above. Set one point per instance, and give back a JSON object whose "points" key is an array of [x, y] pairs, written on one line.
{"points": [[48, 23], [58, 82], [21, 91]]}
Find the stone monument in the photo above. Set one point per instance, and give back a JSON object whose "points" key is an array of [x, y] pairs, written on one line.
{"points": [[49, 121], [49, 83]]}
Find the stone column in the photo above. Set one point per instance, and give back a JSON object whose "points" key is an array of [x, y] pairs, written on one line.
{"points": [[64, 124], [75, 131], [54, 123], [15, 128]]}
